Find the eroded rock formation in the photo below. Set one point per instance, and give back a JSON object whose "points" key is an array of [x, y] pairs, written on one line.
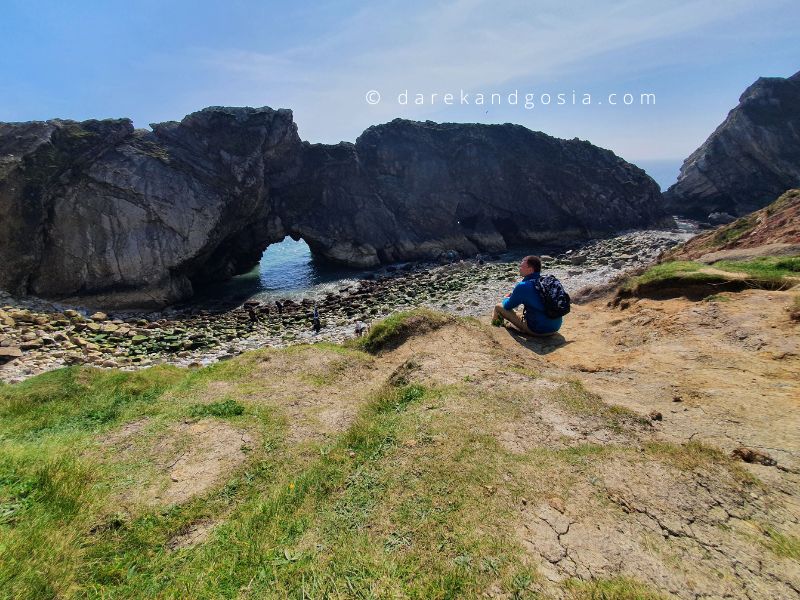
{"points": [[134, 218], [750, 159]]}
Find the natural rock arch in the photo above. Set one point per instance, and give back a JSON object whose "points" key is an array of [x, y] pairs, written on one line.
{"points": [[102, 213]]}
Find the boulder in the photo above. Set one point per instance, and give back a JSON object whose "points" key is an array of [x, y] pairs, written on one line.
{"points": [[720, 218], [9, 353]]}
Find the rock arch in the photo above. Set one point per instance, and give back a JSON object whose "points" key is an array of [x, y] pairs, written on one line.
{"points": [[100, 213]]}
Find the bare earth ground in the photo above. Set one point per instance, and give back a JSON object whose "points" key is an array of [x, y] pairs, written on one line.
{"points": [[590, 485], [722, 373]]}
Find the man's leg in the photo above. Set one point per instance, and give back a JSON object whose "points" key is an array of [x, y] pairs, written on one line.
{"points": [[512, 317]]}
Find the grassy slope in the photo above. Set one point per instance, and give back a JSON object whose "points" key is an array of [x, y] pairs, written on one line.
{"points": [[403, 503], [764, 272], [776, 222]]}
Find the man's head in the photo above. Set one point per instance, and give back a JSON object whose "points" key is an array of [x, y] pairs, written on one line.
{"points": [[530, 264]]}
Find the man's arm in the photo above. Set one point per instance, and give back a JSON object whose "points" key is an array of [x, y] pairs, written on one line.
{"points": [[514, 300]]}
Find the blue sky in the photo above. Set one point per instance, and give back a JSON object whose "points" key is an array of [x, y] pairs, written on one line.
{"points": [[159, 60]]}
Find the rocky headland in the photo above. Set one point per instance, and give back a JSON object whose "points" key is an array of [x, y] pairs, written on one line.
{"points": [[749, 160], [102, 214]]}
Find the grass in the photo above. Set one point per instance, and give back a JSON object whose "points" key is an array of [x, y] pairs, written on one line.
{"points": [[416, 497], [333, 370], [574, 396], [395, 329], [769, 272], [733, 231], [366, 514], [80, 400], [618, 588], [664, 271], [785, 546], [784, 201], [224, 408], [764, 268]]}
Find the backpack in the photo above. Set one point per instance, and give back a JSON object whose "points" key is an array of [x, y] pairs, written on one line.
{"points": [[555, 299]]}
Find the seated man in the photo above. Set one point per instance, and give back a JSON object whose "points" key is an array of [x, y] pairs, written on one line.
{"points": [[536, 322]]}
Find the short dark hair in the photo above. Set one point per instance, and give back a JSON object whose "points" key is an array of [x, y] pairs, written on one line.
{"points": [[534, 262]]}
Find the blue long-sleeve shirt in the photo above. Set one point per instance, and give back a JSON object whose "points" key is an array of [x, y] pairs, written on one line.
{"points": [[525, 293]]}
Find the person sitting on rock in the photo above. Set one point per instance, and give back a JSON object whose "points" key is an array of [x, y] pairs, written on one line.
{"points": [[535, 321]]}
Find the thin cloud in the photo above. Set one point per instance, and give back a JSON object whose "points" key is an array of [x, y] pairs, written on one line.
{"points": [[475, 45]]}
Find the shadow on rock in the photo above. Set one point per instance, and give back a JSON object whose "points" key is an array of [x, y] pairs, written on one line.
{"points": [[540, 345]]}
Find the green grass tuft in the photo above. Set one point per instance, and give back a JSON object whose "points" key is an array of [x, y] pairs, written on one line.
{"points": [[766, 272], [397, 328], [80, 399], [765, 267], [618, 588], [575, 397], [667, 270], [224, 408], [785, 546]]}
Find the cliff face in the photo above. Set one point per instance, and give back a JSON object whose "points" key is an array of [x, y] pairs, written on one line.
{"points": [[96, 208], [134, 218], [413, 190], [751, 158]]}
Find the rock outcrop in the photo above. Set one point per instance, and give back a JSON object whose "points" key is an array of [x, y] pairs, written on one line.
{"points": [[411, 190], [131, 218], [770, 231], [750, 159]]}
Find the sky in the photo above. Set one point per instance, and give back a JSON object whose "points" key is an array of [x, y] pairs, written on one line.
{"points": [[156, 61]]}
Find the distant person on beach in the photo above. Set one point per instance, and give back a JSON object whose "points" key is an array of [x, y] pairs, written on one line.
{"points": [[279, 306], [315, 322], [361, 328], [251, 312], [538, 301]]}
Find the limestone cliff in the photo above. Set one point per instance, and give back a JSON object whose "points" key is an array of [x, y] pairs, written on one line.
{"points": [[126, 217]]}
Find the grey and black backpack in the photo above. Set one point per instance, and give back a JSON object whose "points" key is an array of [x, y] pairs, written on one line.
{"points": [[554, 297]]}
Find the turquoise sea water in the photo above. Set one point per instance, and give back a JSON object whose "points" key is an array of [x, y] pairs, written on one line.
{"points": [[287, 270]]}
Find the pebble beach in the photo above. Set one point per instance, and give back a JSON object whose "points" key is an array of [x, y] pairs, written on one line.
{"points": [[38, 336]]}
